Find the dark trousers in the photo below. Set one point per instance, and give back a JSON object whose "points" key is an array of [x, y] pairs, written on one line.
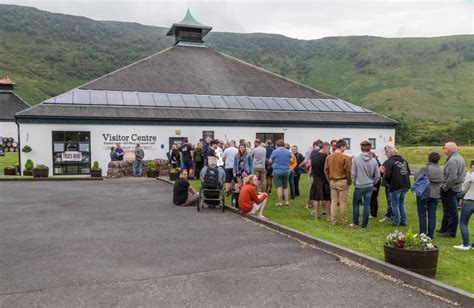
{"points": [[297, 184], [198, 167], [450, 220], [374, 201], [292, 185], [427, 215]]}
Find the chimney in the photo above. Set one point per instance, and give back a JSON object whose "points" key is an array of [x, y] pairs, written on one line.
{"points": [[6, 84], [189, 30]]}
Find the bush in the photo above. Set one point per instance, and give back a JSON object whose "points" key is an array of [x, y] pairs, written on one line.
{"points": [[41, 167], [10, 168], [152, 165], [29, 165], [26, 149], [95, 166]]}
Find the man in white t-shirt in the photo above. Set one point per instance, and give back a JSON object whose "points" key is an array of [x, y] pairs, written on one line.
{"points": [[220, 154], [228, 157]]}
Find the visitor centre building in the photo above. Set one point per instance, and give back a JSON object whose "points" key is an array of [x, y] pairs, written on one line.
{"points": [[187, 91]]}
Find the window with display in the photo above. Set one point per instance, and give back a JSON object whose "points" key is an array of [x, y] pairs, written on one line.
{"points": [[71, 153]]}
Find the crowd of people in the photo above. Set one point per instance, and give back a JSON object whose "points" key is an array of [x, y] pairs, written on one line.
{"points": [[255, 170]]}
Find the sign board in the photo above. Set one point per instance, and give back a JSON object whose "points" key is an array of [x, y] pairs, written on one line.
{"points": [[147, 142], [2, 153], [71, 156]]}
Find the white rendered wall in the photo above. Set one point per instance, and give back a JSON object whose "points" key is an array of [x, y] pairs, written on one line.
{"points": [[39, 137], [8, 129]]}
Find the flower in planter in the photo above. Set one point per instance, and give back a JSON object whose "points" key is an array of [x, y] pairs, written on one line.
{"points": [[95, 166], [409, 241], [29, 165]]}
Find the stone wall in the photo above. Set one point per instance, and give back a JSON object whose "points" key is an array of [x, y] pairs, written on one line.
{"points": [[118, 169]]}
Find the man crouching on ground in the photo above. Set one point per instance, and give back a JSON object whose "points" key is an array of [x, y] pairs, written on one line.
{"points": [[249, 200], [183, 193]]}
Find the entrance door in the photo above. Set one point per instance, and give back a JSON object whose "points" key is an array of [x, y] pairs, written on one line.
{"points": [[272, 136], [176, 140]]}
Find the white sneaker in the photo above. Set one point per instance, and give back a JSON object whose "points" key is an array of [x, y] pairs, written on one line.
{"points": [[385, 219], [462, 247]]}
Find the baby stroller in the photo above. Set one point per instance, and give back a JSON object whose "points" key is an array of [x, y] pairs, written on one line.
{"points": [[211, 192]]}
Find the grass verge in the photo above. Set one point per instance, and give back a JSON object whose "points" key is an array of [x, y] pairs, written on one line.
{"points": [[454, 267]]}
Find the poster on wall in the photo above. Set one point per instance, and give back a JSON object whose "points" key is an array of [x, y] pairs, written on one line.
{"points": [[71, 156], [207, 133]]}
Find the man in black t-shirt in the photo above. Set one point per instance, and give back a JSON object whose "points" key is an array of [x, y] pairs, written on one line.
{"points": [[186, 153], [183, 193]]}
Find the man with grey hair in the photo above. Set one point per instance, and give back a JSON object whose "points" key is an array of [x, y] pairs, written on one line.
{"points": [[397, 178], [453, 177]]}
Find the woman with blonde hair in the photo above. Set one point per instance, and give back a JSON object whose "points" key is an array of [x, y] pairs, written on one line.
{"points": [[249, 200]]}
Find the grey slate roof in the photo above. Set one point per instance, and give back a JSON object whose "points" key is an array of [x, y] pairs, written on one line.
{"points": [[200, 70], [10, 104], [187, 115]]}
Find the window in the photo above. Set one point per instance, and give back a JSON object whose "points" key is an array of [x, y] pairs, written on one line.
{"points": [[207, 133], [348, 141], [272, 136], [372, 142], [71, 153]]}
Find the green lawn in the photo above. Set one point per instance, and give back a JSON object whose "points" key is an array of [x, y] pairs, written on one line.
{"points": [[454, 267], [10, 159], [417, 156]]}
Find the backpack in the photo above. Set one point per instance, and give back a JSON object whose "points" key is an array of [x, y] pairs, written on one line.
{"points": [[421, 187], [211, 178]]}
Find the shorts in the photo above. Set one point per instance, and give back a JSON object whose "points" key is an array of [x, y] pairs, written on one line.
{"points": [[187, 164], [281, 180], [255, 208], [229, 175]]}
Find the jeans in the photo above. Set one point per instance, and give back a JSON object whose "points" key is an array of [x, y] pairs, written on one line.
{"points": [[466, 212], [389, 213], [427, 206], [366, 194], [397, 201], [450, 221], [140, 167], [292, 185]]}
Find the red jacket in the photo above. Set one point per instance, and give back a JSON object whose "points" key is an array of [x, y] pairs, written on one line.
{"points": [[247, 197]]}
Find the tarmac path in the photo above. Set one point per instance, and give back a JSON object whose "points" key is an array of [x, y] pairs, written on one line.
{"points": [[121, 243]]}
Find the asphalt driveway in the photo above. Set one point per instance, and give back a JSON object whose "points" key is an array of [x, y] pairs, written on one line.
{"points": [[122, 243]]}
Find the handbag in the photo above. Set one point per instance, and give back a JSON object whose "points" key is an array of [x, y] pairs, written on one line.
{"points": [[421, 187]]}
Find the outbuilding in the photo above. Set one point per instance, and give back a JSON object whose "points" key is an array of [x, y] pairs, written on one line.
{"points": [[10, 104], [188, 91]]}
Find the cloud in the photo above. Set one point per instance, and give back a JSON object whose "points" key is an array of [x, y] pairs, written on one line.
{"points": [[298, 19]]}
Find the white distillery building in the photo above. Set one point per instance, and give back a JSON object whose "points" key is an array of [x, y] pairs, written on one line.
{"points": [[187, 91]]}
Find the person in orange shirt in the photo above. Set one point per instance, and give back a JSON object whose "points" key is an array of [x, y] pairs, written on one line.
{"points": [[249, 200]]}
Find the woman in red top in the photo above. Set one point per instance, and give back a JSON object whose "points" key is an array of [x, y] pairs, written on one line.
{"points": [[249, 201]]}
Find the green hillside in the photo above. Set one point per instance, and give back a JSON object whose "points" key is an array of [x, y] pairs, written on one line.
{"points": [[415, 80]]}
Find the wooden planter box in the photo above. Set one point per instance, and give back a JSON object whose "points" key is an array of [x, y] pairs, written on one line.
{"points": [[28, 173], [96, 173], [152, 174], [9, 171], [40, 173], [174, 176], [423, 262]]}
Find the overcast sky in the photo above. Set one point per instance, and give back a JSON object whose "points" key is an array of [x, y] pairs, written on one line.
{"points": [[299, 19]]}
